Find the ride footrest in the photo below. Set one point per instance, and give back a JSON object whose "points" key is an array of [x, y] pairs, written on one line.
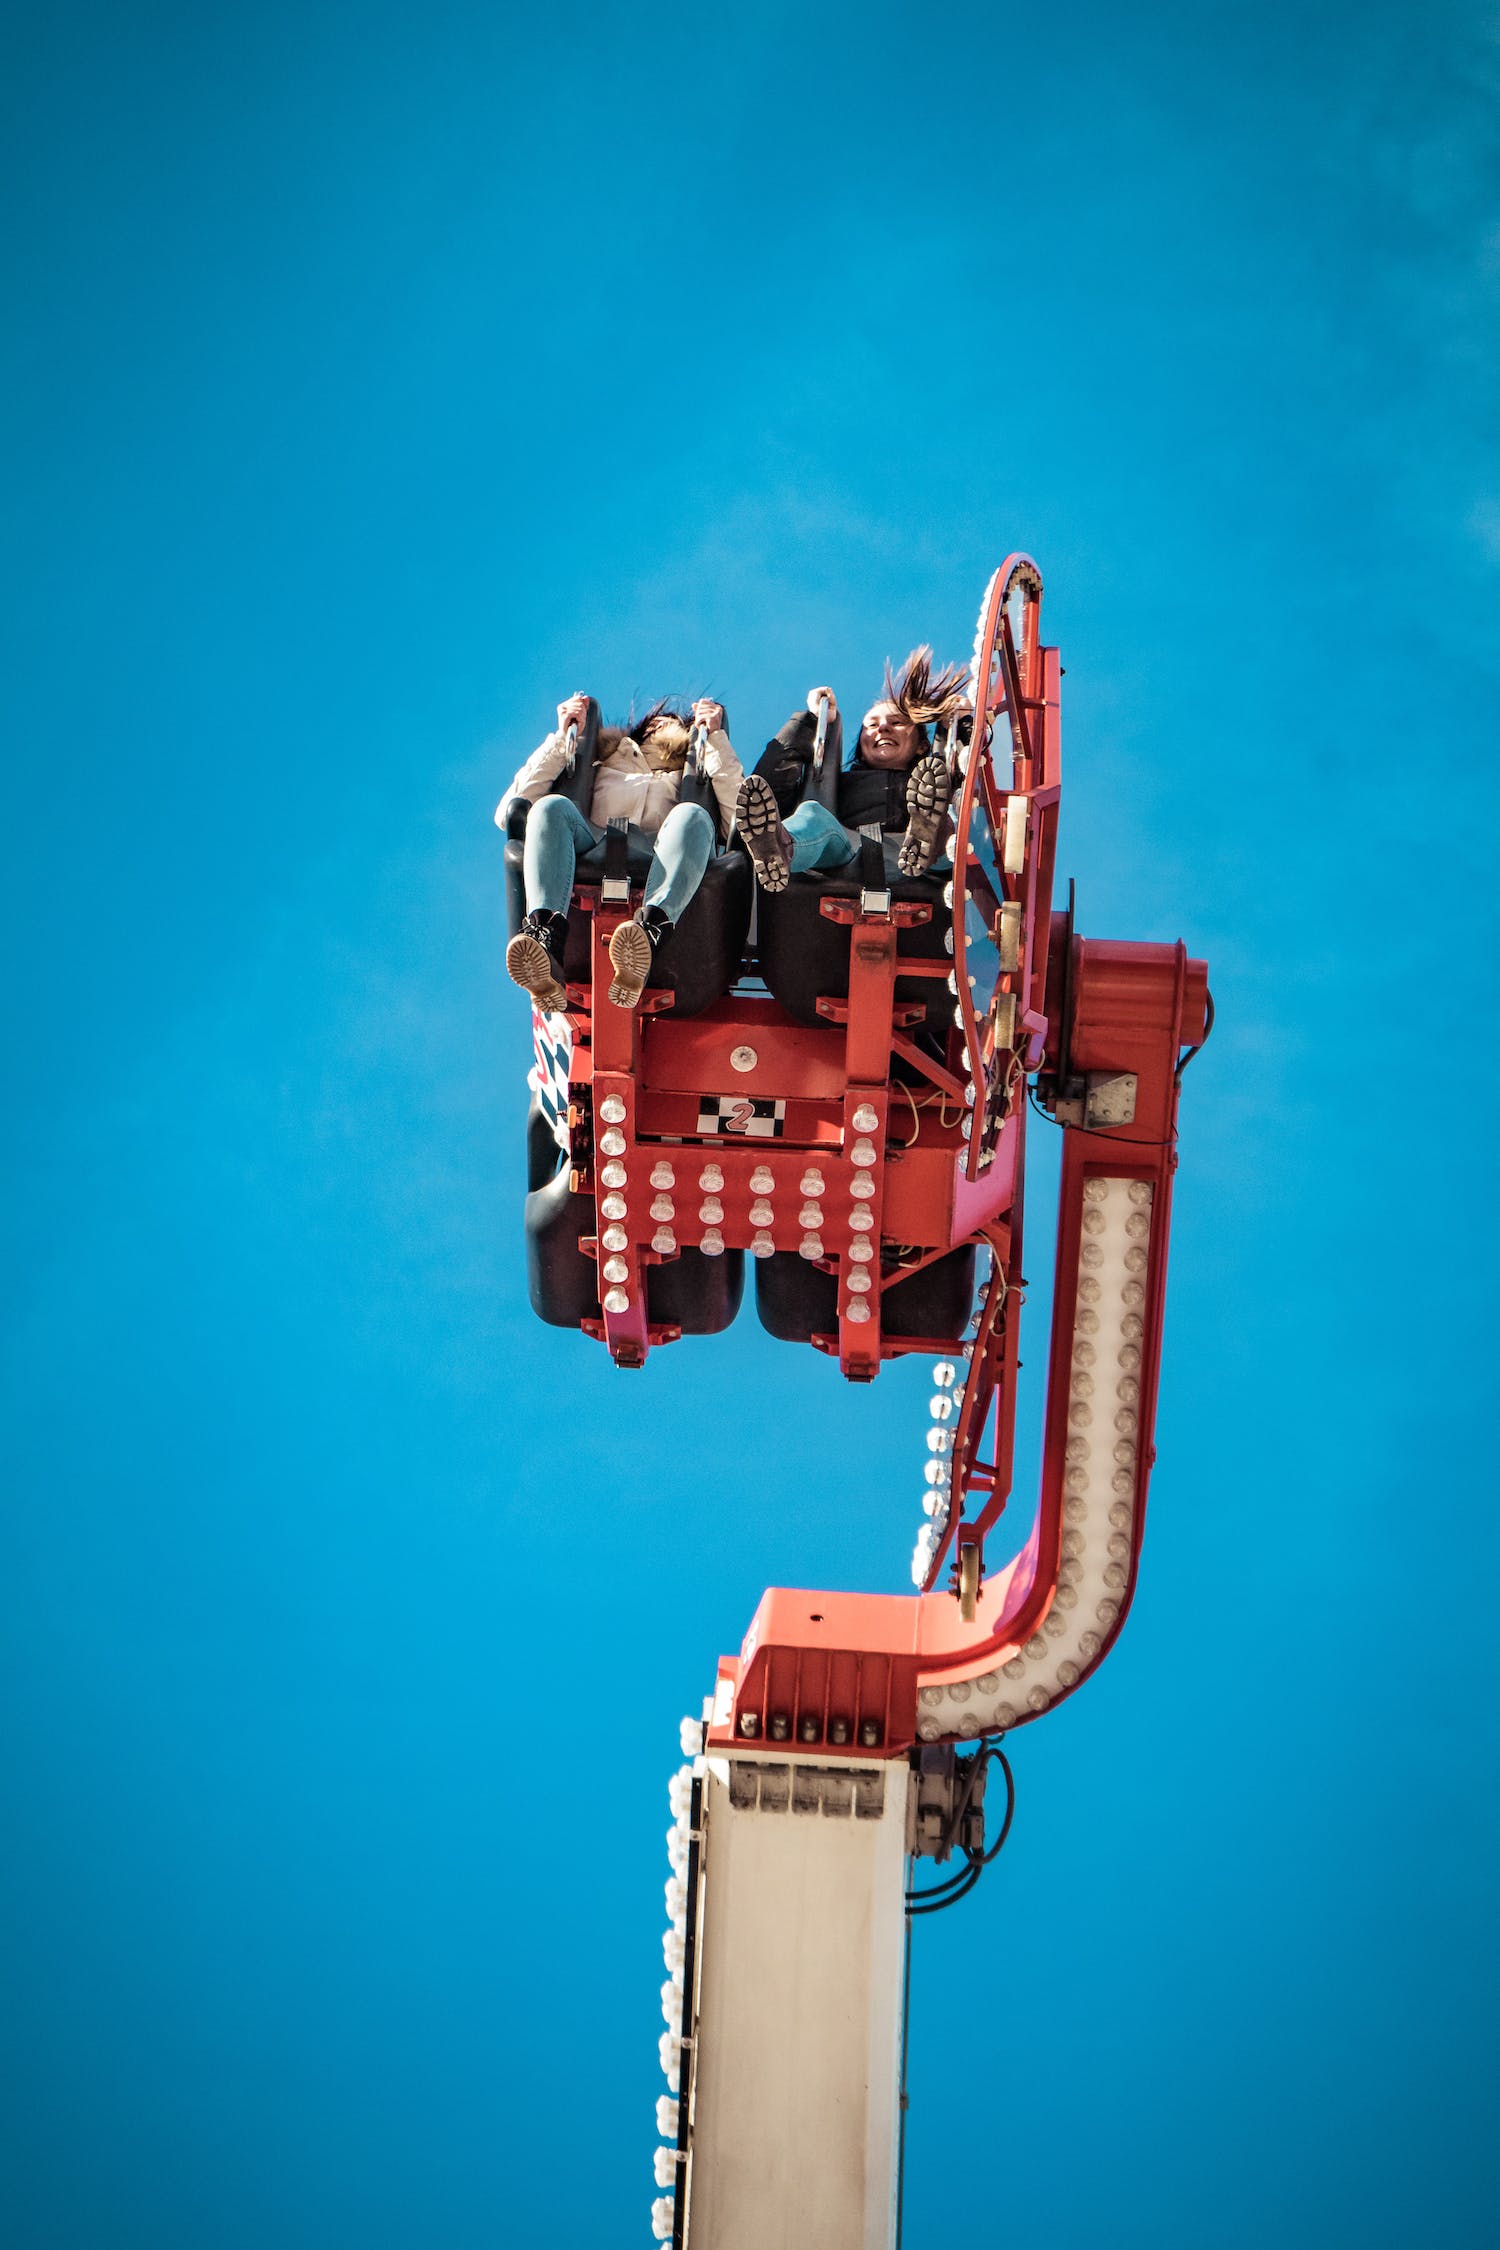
{"points": [[902, 1011], [906, 913]]}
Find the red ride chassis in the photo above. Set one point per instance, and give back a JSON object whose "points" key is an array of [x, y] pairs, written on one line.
{"points": [[938, 1163]]}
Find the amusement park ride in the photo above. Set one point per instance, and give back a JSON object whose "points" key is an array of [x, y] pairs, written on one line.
{"points": [[853, 1115]]}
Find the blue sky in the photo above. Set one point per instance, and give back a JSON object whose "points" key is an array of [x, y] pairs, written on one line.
{"points": [[373, 378]]}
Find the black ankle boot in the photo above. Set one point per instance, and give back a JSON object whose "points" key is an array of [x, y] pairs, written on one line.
{"points": [[550, 930], [654, 922]]}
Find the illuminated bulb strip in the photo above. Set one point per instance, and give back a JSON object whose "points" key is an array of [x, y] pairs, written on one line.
{"points": [[667, 2160], [937, 1500], [1100, 1478]]}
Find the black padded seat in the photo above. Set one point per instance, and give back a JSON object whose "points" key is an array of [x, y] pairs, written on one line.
{"points": [[796, 1300], [805, 958], [545, 1156], [701, 958], [699, 1295]]}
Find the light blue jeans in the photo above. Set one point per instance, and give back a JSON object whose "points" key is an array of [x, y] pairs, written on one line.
{"points": [[818, 840], [556, 832]]}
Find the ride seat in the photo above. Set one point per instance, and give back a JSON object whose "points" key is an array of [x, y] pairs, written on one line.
{"points": [[702, 957], [804, 957]]}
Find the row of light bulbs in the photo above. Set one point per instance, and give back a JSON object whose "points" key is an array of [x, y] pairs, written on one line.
{"points": [[937, 1500], [674, 1954]]}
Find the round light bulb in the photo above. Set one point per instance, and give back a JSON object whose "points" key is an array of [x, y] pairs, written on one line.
{"points": [[762, 1180], [944, 1374], [810, 1217], [612, 1110], [664, 1242], [860, 1251], [663, 1208], [711, 1211], [616, 1269], [861, 1222], [856, 1310], [862, 1187], [761, 1214], [712, 1244], [711, 1179], [858, 1281], [811, 1183], [663, 1176], [616, 1301], [615, 1238], [762, 1245], [613, 1207], [613, 1175], [863, 1152], [612, 1143], [810, 1246], [865, 1118]]}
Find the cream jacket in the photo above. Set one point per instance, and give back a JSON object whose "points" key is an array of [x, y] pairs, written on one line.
{"points": [[626, 785]]}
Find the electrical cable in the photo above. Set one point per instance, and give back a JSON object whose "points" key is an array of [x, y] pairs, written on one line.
{"points": [[954, 1887], [1208, 1025]]}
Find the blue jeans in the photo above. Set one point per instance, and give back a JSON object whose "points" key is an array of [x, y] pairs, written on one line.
{"points": [[556, 832], [818, 840]]}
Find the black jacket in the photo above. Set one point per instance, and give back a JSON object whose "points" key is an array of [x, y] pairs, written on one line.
{"points": [[865, 793]]}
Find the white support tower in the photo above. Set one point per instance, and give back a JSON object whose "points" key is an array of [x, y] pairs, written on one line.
{"points": [[797, 1935]]}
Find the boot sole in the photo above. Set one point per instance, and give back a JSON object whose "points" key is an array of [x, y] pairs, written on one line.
{"points": [[529, 964], [758, 819], [630, 958], [927, 800]]}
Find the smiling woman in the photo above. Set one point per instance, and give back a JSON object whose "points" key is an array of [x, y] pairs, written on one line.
{"points": [[895, 780]]}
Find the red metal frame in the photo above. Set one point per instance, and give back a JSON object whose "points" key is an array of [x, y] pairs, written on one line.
{"points": [[848, 1671], [933, 1190]]}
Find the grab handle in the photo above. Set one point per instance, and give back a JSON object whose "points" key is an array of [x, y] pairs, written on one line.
{"points": [[820, 739]]}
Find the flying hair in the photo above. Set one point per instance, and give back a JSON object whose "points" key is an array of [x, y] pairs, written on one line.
{"points": [[922, 694], [668, 709]]}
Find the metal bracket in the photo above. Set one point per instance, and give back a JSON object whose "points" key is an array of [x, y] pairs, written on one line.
{"points": [[1104, 1097], [874, 892], [615, 889]]}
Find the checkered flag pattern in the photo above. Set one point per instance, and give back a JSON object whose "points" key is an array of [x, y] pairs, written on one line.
{"points": [[741, 1118], [553, 1043]]}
